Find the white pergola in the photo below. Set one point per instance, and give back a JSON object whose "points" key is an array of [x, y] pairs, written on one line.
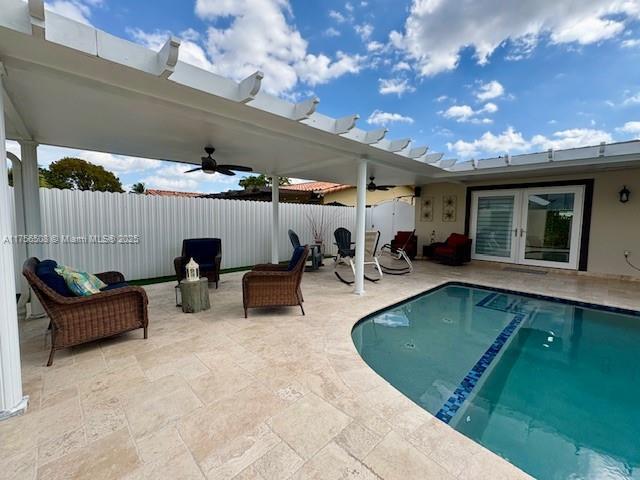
{"points": [[67, 84]]}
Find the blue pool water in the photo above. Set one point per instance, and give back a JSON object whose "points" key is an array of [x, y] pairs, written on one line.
{"points": [[552, 387]]}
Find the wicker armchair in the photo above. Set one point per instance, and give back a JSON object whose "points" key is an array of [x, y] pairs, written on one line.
{"points": [[272, 285], [207, 253], [78, 320]]}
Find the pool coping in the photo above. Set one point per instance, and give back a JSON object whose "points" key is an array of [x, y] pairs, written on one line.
{"points": [[537, 296]]}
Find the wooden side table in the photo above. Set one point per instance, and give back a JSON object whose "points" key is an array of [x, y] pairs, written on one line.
{"points": [[195, 295]]}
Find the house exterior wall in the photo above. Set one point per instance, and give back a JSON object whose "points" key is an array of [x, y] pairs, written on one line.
{"points": [[348, 196], [615, 227]]}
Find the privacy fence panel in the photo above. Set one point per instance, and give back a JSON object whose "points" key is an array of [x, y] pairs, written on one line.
{"points": [[97, 231]]}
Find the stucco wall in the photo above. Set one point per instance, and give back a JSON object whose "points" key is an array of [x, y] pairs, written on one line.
{"points": [[615, 227], [348, 196]]}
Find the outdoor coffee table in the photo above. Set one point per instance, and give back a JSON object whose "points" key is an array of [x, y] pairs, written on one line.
{"points": [[195, 295]]}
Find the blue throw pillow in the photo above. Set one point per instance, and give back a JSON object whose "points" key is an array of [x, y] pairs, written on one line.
{"points": [[295, 258], [46, 271]]}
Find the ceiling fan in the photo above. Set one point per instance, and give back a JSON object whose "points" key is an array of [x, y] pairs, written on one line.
{"points": [[372, 187], [210, 166]]}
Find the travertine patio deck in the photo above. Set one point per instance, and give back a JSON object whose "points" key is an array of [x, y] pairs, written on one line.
{"points": [[277, 396]]}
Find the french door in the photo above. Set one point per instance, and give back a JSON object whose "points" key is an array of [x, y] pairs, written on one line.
{"points": [[532, 226]]}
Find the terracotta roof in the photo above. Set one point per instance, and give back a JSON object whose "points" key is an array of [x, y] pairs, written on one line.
{"points": [[170, 193], [317, 187]]}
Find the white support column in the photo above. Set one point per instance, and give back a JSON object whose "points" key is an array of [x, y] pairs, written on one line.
{"points": [[275, 218], [361, 206], [21, 283], [12, 401], [31, 196]]}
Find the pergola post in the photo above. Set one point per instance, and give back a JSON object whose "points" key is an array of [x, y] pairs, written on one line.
{"points": [[275, 218], [31, 198], [361, 206], [12, 401], [21, 285]]}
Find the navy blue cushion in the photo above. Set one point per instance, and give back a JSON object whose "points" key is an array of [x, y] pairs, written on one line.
{"points": [[46, 271], [202, 250], [295, 258], [206, 266], [113, 286]]}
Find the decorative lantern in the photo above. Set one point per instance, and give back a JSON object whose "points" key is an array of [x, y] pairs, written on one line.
{"points": [[193, 271], [624, 194]]}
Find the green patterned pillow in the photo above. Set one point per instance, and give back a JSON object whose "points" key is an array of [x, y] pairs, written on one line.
{"points": [[80, 283]]}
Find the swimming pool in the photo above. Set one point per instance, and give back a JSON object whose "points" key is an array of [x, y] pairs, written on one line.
{"points": [[552, 386]]}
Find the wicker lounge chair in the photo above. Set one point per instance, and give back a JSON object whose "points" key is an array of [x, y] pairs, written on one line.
{"points": [[78, 320], [272, 285]]}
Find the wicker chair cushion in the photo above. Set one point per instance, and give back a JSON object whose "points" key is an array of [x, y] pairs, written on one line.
{"points": [[295, 258], [46, 271], [202, 250], [113, 286]]}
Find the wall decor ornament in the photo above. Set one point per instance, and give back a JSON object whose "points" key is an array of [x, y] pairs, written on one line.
{"points": [[449, 208], [426, 209]]}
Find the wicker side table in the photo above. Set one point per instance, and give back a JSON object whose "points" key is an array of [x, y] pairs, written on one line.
{"points": [[195, 295]]}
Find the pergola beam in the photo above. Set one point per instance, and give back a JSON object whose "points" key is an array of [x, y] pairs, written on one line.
{"points": [[168, 57], [249, 87], [36, 16], [306, 108], [393, 146]]}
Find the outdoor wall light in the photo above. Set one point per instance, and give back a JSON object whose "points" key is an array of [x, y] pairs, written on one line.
{"points": [[624, 194]]}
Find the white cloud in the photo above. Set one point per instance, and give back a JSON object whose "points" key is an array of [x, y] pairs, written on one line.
{"points": [[631, 43], [465, 113], [631, 99], [73, 9], [364, 31], [436, 31], [374, 46], [401, 66], [348, 6], [337, 16], [442, 98], [397, 86], [631, 127], [317, 69], [572, 138], [331, 32], [512, 141], [489, 91], [381, 118], [256, 35]]}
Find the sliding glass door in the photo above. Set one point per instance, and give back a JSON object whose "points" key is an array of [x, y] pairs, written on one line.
{"points": [[534, 226]]}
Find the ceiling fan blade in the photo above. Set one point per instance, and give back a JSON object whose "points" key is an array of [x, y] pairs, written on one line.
{"points": [[224, 171], [237, 168], [385, 187], [193, 170]]}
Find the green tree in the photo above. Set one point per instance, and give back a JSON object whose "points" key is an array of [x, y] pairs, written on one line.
{"points": [[43, 182], [77, 174], [138, 188], [260, 181]]}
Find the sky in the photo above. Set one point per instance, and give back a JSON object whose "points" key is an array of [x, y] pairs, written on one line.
{"points": [[470, 78]]}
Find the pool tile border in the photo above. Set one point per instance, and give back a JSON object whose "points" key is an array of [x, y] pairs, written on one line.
{"points": [[469, 382]]}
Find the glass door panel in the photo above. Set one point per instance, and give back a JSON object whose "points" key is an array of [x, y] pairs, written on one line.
{"points": [[551, 227], [494, 226]]}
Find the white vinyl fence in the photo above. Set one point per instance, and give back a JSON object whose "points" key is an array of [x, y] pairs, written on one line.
{"points": [[391, 217], [161, 223]]}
